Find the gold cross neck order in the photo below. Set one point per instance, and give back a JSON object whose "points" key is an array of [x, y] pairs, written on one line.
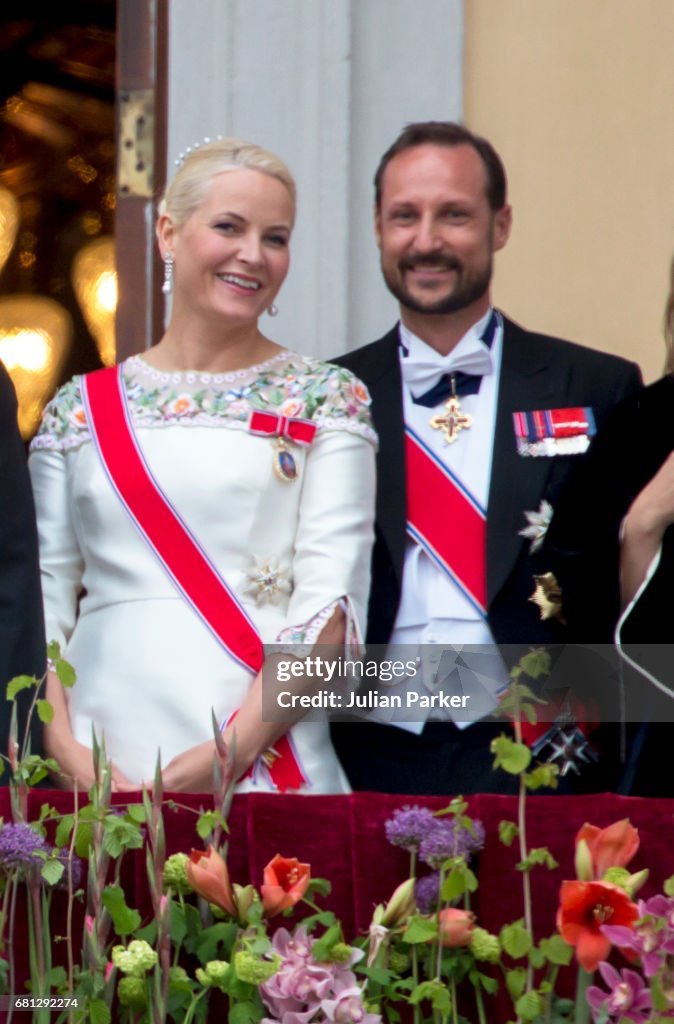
{"points": [[452, 421]]}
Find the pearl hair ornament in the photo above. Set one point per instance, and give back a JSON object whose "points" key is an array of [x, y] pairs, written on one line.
{"points": [[182, 157]]}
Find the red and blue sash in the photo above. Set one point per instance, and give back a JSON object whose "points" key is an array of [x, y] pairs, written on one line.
{"points": [[176, 548], [446, 520]]}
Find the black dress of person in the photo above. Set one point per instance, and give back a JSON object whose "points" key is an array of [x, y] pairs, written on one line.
{"points": [[583, 545]]}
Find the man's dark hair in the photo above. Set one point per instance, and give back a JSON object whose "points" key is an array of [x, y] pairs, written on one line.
{"points": [[448, 133]]}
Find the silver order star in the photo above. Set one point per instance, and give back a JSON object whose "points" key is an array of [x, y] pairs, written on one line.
{"points": [[537, 525], [267, 580]]}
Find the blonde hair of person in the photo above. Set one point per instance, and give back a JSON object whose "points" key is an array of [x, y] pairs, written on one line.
{"points": [[198, 167]]}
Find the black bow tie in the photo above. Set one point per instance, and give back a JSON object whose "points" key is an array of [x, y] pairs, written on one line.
{"points": [[457, 383]]}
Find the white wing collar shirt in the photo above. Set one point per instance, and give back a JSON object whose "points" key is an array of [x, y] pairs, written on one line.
{"points": [[434, 614]]}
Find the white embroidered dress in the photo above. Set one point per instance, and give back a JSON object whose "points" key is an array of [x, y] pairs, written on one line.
{"points": [[148, 670]]}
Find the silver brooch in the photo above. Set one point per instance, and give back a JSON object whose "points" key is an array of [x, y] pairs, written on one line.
{"points": [[537, 526], [267, 580]]}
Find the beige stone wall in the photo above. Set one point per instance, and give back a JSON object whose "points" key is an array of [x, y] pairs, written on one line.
{"points": [[578, 97]]}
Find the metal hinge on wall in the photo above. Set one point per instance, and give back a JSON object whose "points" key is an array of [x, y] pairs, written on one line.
{"points": [[136, 143]]}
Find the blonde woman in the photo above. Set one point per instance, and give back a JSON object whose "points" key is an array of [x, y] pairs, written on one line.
{"points": [[209, 496]]}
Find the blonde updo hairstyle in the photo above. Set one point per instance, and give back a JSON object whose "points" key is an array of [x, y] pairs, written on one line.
{"points": [[200, 166]]}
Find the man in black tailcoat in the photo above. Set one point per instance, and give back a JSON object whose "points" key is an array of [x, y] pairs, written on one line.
{"points": [[22, 643], [479, 423]]}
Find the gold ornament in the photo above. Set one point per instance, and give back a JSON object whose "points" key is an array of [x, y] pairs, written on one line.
{"points": [[548, 596], [452, 421]]}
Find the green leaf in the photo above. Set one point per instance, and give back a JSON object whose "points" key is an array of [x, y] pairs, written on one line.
{"points": [[53, 650], [243, 1013], [52, 871], [45, 712], [556, 950], [120, 835], [516, 980], [515, 939], [211, 938], [377, 974], [539, 855], [536, 663], [322, 949], [480, 980], [420, 929], [529, 1006], [208, 821], [542, 775], [507, 832], [18, 684], [536, 958], [459, 881], [65, 672], [84, 838], [178, 925], [124, 918], [326, 918], [137, 813], [436, 992], [668, 886], [510, 756], [98, 1012]]}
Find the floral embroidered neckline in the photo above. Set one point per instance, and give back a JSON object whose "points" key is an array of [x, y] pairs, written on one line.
{"points": [[139, 364]]}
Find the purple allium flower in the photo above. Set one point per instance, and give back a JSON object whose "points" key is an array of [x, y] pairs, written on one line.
{"points": [[19, 846], [427, 892], [62, 855], [449, 838], [628, 997], [408, 826]]}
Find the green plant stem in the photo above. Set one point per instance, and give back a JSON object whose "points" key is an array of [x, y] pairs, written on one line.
{"points": [[548, 998], [10, 940], [455, 1012], [479, 1002], [522, 838], [415, 979], [69, 909], [191, 1009], [582, 1014]]}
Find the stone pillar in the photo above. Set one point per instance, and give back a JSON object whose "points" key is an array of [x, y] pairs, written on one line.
{"points": [[326, 84]]}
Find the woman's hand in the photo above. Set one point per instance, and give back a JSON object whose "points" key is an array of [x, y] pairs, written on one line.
{"points": [[191, 771], [651, 512], [77, 769]]}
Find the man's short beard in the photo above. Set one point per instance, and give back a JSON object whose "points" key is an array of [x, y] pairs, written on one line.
{"points": [[464, 294]]}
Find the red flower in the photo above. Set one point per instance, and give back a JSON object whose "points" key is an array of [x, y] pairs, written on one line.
{"points": [[456, 926], [208, 875], [611, 847], [285, 883], [583, 908]]}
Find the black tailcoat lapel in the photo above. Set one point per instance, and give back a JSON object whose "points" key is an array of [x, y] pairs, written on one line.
{"points": [[527, 381]]}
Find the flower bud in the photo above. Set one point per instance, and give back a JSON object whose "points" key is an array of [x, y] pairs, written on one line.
{"points": [[456, 926], [583, 862], [400, 906], [175, 874], [244, 897], [132, 992]]}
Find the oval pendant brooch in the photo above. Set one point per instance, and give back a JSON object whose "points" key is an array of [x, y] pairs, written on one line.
{"points": [[285, 466]]}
